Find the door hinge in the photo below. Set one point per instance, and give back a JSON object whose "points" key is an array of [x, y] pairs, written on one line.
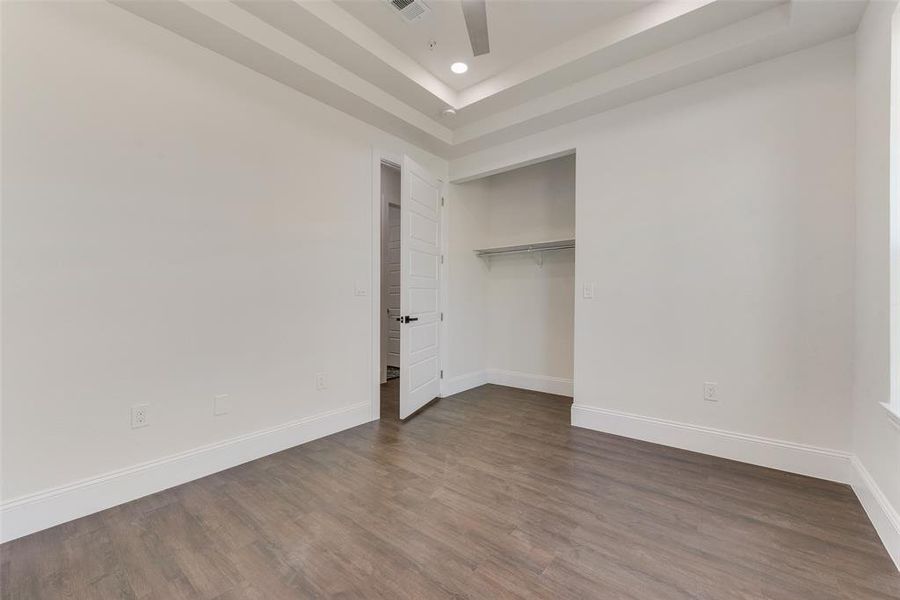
{"points": [[442, 316], [442, 259], [442, 373], [442, 200]]}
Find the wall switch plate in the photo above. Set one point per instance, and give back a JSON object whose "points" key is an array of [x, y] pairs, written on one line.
{"points": [[711, 391], [588, 291], [221, 405], [140, 416], [321, 381]]}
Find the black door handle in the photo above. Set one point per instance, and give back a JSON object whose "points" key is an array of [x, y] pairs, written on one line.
{"points": [[407, 319]]}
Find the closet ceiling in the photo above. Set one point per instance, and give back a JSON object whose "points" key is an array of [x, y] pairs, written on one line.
{"points": [[551, 61]]}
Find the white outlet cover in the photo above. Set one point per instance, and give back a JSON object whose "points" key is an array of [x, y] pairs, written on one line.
{"points": [[221, 405], [711, 391], [321, 381], [140, 416], [588, 291]]}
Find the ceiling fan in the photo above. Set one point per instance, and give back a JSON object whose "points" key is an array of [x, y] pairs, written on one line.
{"points": [[475, 13]]}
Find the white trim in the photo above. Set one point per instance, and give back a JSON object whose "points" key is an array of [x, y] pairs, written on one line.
{"points": [[444, 280], [884, 517], [792, 457], [375, 286], [378, 155], [893, 403], [516, 379], [893, 414], [461, 383], [382, 252], [34, 512], [527, 381], [479, 168]]}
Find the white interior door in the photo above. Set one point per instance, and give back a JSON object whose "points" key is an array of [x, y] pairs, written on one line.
{"points": [[420, 259]]}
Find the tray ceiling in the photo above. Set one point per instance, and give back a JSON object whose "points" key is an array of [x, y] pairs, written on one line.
{"points": [[519, 30], [551, 61]]}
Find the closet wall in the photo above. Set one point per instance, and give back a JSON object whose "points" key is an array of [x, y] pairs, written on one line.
{"points": [[518, 315]]}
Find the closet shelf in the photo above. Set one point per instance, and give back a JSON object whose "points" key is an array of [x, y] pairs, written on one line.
{"points": [[537, 249]]}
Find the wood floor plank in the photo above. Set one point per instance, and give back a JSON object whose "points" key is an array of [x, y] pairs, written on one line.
{"points": [[487, 494]]}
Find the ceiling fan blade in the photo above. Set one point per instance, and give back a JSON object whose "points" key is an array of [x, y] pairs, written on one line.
{"points": [[475, 14]]}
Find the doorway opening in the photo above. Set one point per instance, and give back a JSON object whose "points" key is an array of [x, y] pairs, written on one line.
{"points": [[512, 286], [408, 260], [389, 340]]}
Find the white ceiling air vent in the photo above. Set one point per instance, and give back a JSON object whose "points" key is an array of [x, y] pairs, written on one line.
{"points": [[410, 10]]}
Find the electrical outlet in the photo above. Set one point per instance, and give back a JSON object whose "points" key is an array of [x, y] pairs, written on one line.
{"points": [[221, 405], [588, 291], [711, 391], [321, 381], [140, 416]]}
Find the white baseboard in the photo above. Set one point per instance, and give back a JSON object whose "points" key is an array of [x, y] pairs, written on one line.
{"points": [[516, 379], [527, 381], [813, 461], [35, 512], [464, 382], [884, 517]]}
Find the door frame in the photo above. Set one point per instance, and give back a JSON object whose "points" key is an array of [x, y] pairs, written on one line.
{"points": [[380, 155]]}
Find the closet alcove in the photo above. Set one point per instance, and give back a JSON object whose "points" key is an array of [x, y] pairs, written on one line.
{"points": [[511, 241]]}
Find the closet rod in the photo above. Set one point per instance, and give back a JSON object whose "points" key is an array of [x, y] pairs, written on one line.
{"points": [[536, 250], [524, 248]]}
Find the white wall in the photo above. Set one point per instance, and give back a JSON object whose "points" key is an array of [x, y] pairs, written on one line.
{"points": [[717, 223], [718, 229], [175, 226], [513, 320], [876, 442], [467, 276]]}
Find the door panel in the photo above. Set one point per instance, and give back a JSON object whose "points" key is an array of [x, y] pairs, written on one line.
{"points": [[423, 265], [420, 229], [422, 338], [421, 375], [422, 301], [423, 229]]}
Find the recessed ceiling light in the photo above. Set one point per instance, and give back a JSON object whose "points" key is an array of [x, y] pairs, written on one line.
{"points": [[459, 68]]}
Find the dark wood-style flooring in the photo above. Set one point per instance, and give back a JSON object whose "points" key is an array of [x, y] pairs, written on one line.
{"points": [[488, 494]]}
